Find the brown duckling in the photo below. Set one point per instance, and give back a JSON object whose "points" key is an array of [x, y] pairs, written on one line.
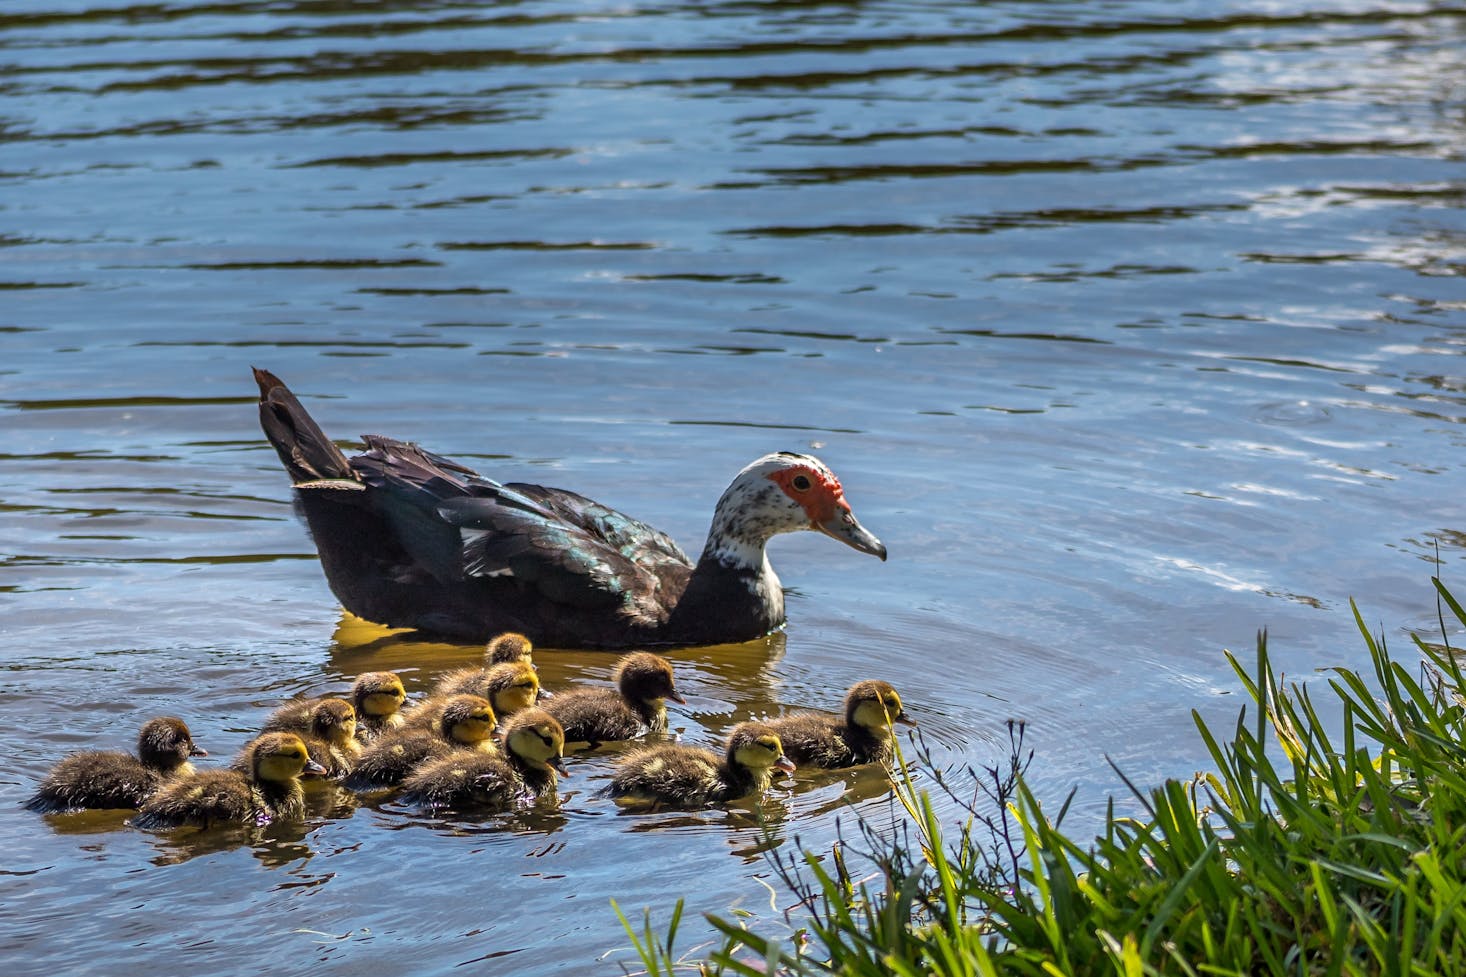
{"points": [[672, 775], [533, 746], [638, 703], [463, 722], [328, 728], [509, 687], [377, 698], [113, 779], [509, 648], [821, 740], [269, 790]]}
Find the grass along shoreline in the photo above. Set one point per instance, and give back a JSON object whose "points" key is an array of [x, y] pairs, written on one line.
{"points": [[1344, 857]]}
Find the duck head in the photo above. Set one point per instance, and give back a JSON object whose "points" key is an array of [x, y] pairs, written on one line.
{"points": [[756, 748], [282, 757], [166, 744], [644, 677], [874, 706], [379, 695], [507, 648], [535, 737], [467, 720], [783, 493], [512, 687], [334, 720]]}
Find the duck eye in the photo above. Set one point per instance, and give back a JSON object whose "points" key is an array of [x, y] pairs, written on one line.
{"points": [[801, 483]]}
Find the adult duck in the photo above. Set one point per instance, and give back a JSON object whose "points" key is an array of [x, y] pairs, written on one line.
{"points": [[410, 539]]}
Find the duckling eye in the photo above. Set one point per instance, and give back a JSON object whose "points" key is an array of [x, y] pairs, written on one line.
{"points": [[801, 483]]}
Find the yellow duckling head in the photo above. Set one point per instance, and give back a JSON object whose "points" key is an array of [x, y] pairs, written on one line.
{"points": [[282, 757], [378, 695], [756, 747], [468, 720], [535, 737], [508, 648], [874, 706], [334, 720], [512, 687]]}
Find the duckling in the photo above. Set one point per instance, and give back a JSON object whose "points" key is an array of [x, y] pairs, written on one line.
{"points": [[332, 738], [820, 740], [509, 687], [113, 779], [377, 698], [463, 722], [643, 683], [270, 790], [534, 744], [508, 648], [685, 776]]}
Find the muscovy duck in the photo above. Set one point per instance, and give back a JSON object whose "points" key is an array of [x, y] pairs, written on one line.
{"points": [[410, 539]]}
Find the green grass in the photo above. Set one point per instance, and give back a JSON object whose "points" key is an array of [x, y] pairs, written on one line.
{"points": [[1300, 853]]}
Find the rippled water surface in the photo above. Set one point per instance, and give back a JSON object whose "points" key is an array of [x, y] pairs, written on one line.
{"points": [[1130, 327]]}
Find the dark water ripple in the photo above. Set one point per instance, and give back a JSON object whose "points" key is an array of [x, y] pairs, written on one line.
{"points": [[1131, 328]]}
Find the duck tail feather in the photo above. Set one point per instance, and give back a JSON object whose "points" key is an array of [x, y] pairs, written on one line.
{"points": [[305, 451]]}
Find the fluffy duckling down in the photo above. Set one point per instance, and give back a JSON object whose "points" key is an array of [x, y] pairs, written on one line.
{"points": [[113, 779], [673, 775], [269, 790], [509, 648], [863, 736], [510, 687], [460, 722], [376, 698], [638, 703], [533, 747]]}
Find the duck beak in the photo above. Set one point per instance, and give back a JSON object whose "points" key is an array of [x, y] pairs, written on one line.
{"points": [[785, 764], [841, 524], [559, 764], [313, 769], [676, 698], [543, 693], [905, 720], [198, 751]]}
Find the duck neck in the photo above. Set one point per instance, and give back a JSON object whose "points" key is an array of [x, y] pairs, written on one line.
{"points": [[867, 745], [743, 780], [733, 592], [283, 798]]}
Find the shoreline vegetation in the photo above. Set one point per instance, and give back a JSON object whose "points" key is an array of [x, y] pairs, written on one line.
{"points": [[1299, 853]]}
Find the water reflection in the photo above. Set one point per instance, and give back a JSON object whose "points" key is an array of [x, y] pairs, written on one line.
{"points": [[277, 845]]}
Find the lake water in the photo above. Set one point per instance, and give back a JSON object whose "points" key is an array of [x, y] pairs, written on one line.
{"points": [[1131, 328]]}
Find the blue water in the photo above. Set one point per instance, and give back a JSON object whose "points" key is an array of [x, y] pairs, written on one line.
{"points": [[1131, 329]]}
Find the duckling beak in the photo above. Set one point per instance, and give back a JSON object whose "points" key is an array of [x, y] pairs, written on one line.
{"points": [[543, 693], [841, 524], [313, 769], [198, 751], [905, 720], [785, 764], [676, 698], [559, 764]]}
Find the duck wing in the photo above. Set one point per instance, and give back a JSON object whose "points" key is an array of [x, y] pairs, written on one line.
{"points": [[561, 546]]}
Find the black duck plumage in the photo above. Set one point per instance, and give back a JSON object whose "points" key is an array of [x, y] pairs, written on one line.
{"points": [[408, 538]]}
